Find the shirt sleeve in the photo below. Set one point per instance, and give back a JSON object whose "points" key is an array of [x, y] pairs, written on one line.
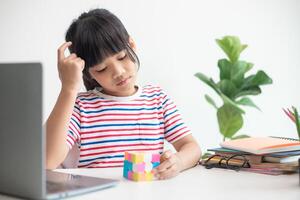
{"points": [[175, 128], [73, 135]]}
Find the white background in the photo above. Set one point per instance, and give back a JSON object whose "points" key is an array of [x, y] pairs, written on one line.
{"points": [[175, 40]]}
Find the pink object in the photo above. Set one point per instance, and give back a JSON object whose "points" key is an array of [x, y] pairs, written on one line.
{"points": [[130, 173], [139, 167], [128, 156], [155, 157]]}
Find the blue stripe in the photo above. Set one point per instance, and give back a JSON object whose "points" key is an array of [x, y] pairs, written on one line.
{"points": [[122, 140], [165, 102], [120, 109], [76, 122], [134, 124], [102, 157], [90, 99], [171, 113], [149, 96], [71, 132], [173, 128], [77, 107]]}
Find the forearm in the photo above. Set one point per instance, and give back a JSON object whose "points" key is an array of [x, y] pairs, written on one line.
{"points": [[189, 155], [57, 127]]}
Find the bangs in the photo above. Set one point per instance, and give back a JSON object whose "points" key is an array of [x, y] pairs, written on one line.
{"points": [[95, 43]]}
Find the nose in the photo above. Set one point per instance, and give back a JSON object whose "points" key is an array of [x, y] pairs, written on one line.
{"points": [[118, 71]]}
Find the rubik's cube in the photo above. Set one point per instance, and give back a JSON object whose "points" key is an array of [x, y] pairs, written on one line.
{"points": [[138, 165]]}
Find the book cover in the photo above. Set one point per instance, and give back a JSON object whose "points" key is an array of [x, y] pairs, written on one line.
{"points": [[287, 159], [262, 145]]}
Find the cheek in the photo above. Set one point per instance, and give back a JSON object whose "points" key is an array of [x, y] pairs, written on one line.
{"points": [[100, 79], [132, 67]]}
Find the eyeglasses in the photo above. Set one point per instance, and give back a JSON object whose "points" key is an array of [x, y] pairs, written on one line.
{"points": [[235, 162]]}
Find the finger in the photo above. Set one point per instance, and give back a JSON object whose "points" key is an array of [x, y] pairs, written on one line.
{"points": [[169, 173], [166, 164], [81, 62], [71, 56], [61, 50], [165, 155]]}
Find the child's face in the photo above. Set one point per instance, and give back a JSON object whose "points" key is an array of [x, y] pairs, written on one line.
{"points": [[116, 75]]}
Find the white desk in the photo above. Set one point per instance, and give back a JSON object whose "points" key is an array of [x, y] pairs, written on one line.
{"points": [[197, 183]]}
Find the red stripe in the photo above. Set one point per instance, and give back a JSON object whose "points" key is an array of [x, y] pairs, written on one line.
{"points": [[151, 91], [121, 145], [70, 144], [118, 104], [75, 126], [119, 130], [167, 126], [102, 101], [121, 119], [178, 136], [70, 137], [174, 133], [101, 162], [120, 135], [109, 166], [172, 108], [169, 119], [121, 114], [106, 152], [75, 116]]}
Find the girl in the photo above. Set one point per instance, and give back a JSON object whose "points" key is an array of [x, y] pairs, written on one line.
{"points": [[114, 115]]}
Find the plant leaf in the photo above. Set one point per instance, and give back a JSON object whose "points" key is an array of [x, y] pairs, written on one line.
{"points": [[227, 87], [230, 120], [238, 72], [213, 85], [208, 81], [260, 78], [225, 69], [227, 100], [210, 101], [250, 91], [232, 47], [247, 102]]}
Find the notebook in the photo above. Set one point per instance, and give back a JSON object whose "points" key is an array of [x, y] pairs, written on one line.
{"points": [[22, 140], [262, 145]]}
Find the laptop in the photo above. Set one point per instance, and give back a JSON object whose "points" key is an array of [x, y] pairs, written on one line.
{"points": [[22, 140]]}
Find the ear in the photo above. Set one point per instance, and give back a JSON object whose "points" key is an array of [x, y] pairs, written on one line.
{"points": [[132, 43]]}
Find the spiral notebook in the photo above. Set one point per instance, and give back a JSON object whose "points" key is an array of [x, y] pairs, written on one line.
{"points": [[262, 145]]}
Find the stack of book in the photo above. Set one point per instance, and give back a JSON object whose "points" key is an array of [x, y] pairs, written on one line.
{"points": [[267, 155]]}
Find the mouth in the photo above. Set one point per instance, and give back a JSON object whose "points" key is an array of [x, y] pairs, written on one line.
{"points": [[123, 82]]}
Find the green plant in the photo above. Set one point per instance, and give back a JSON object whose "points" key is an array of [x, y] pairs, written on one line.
{"points": [[234, 87]]}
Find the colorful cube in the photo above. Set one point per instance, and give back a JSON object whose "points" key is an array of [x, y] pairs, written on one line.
{"points": [[138, 165]]}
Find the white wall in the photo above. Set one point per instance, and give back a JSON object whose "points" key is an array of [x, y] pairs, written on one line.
{"points": [[175, 40]]}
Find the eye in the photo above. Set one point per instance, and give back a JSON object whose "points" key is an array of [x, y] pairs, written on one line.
{"points": [[123, 57], [101, 70]]}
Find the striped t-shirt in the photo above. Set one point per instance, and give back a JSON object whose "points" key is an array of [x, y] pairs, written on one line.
{"points": [[104, 126]]}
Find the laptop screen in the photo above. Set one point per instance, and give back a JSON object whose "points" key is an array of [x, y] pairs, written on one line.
{"points": [[22, 142]]}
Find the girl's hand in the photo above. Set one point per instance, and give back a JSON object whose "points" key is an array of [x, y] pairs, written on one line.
{"points": [[169, 167], [69, 68]]}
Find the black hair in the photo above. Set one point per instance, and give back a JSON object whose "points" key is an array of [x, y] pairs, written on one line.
{"points": [[96, 35]]}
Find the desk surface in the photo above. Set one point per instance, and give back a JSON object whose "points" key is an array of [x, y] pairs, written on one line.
{"points": [[196, 183]]}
